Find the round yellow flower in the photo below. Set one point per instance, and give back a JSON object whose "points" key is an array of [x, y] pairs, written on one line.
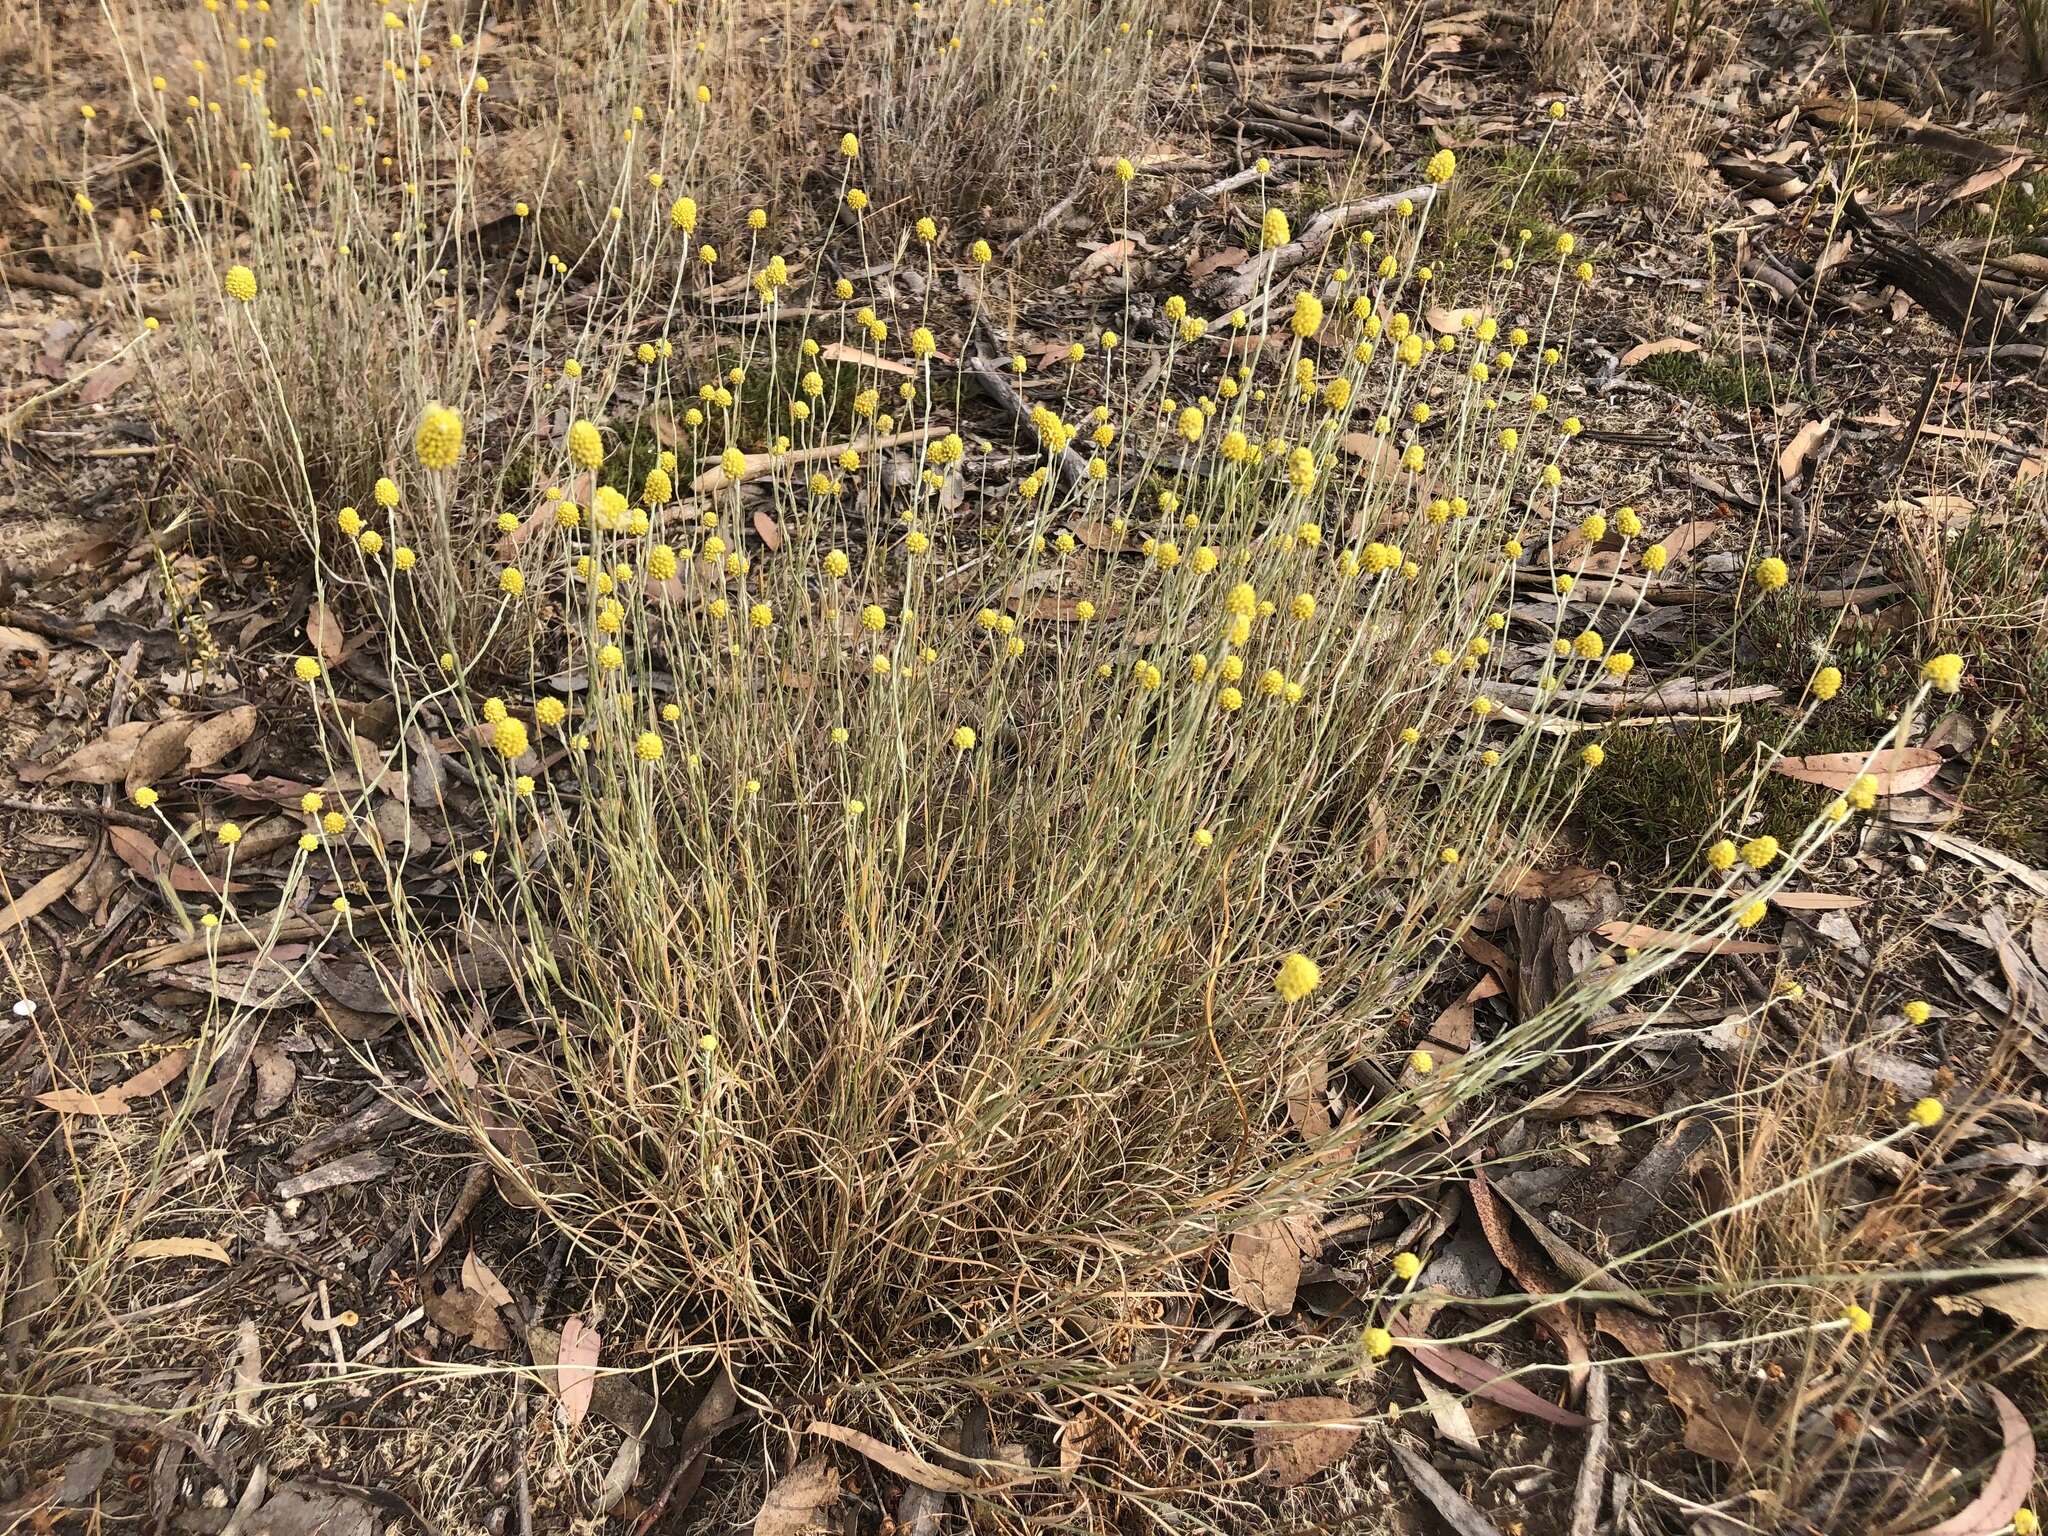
{"points": [[1274, 230], [508, 737], [1297, 977], [1770, 574], [1944, 672], [512, 581], [145, 796], [1378, 1343], [229, 834], [438, 442], [1926, 1113], [964, 737], [1918, 1011], [1593, 755], [1442, 166], [586, 444], [734, 463], [647, 747], [239, 284], [1407, 1265], [1859, 1321], [1827, 682]]}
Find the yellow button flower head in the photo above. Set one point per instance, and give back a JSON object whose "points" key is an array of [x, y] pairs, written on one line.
{"points": [[229, 834], [307, 669], [856, 199], [550, 711], [1593, 755], [734, 463], [586, 444], [1859, 1321], [1274, 230], [1945, 672], [1307, 318], [1750, 915], [647, 747], [508, 738], [1297, 977], [1421, 1062], [386, 492], [1759, 852], [239, 284], [512, 581], [682, 213], [1125, 171], [1443, 165], [760, 616], [980, 254], [1770, 574], [1918, 1011], [1655, 558], [1827, 682], [1406, 1265], [1378, 1343], [922, 343], [2025, 1523], [927, 230], [1926, 1113], [438, 442], [657, 490], [849, 145], [963, 738]]}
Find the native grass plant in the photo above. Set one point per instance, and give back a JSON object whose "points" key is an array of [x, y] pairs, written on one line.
{"points": [[920, 935], [1005, 105]]}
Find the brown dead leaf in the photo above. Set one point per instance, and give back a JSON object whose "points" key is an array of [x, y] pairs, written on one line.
{"points": [[117, 1100], [840, 352], [1297, 1437], [1446, 321], [2024, 1300], [909, 1467], [481, 1278], [180, 1248], [24, 660], [2006, 1489], [767, 530], [1368, 46], [214, 738], [45, 891], [160, 753], [1898, 770], [1796, 455], [1229, 259], [467, 1314], [1688, 536], [103, 761], [1266, 1259], [1116, 253], [1642, 936], [796, 1505], [576, 1368], [1718, 1425], [323, 631], [276, 1074], [1481, 1378], [1643, 351]]}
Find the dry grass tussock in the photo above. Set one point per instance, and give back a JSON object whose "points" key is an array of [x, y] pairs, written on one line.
{"points": [[934, 894]]}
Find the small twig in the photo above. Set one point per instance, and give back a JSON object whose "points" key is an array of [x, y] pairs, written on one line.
{"points": [[1073, 468], [1593, 1467], [472, 1191], [1050, 217], [1269, 265]]}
